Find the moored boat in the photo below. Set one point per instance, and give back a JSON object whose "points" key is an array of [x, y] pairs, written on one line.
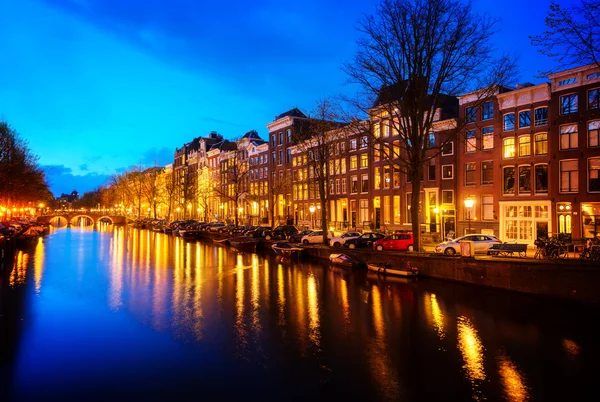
{"points": [[343, 260], [385, 268], [221, 242], [287, 249], [243, 243]]}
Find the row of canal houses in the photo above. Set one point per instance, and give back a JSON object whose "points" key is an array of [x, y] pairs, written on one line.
{"points": [[528, 163]]}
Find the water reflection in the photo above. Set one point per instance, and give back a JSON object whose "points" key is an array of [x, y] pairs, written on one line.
{"points": [[472, 350], [512, 379], [193, 308]]}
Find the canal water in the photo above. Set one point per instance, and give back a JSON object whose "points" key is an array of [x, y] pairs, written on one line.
{"points": [[115, 313]]}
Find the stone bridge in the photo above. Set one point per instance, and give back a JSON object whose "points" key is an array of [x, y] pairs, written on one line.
{"points": [[71, 216]]}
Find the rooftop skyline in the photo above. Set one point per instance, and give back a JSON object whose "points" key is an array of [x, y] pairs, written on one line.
{"points": [[96, 87]]}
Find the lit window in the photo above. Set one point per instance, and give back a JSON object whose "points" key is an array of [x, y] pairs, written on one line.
{"points": [[487, 138], [568, 136], [593, 130], [541, 144], [508, 148], [447, 172], [364, 160], [471, 145], [525, 145]]}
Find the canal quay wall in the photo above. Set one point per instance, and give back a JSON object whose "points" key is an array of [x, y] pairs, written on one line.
{"points": [[566, 279]]}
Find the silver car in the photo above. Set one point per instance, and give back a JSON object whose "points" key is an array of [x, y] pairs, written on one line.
{"points": [[481, 244]]}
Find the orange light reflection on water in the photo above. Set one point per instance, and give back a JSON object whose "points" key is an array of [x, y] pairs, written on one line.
{"points": [[472, 349], [38, 265], [512, 380]]}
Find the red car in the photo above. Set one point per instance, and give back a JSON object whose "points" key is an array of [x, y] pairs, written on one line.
{"points": [[397, 241]]}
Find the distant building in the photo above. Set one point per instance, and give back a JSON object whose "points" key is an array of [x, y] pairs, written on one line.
{"points": [[65, 201]]}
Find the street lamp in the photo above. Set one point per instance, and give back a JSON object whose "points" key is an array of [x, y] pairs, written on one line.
{"points": [[312, 211], [469, 204]]}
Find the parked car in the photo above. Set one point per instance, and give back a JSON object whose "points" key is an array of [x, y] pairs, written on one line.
{"points": [[297, 237], [316, 236], [396, 241], [280, 232], [339, 241], [481, 244], [365, 240]]}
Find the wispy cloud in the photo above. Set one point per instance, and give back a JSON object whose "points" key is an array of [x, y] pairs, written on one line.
{"points": [[62, 180]]}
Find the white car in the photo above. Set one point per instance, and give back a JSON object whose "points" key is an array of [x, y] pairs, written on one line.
{"points": [[339, 241], [313, 237], [482, 244]]}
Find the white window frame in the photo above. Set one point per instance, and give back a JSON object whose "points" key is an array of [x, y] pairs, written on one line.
{"points": [[451, 143], [560, 172], [452, 170], [504, 123]]}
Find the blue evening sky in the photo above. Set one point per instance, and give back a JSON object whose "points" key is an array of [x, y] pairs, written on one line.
{"points": [[96, 86]]}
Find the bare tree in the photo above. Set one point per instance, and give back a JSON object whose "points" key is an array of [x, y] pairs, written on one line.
{"points": [[319, 137], [205, 192], [234, 177], [150, 187], [572, 37], [411, 55]]}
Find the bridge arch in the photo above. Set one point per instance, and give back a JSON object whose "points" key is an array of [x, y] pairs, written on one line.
{"points": [[73, 219], [106, 217]]}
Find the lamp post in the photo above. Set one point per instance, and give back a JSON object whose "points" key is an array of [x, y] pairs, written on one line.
{"points": [[469, 204], [312, 211]]}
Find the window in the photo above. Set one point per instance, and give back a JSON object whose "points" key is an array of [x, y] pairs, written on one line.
{"points": [[431, 171], [376, 129], [364, 160], [376, 152], [280, 138], [386, 129], [524, 119], [566, 82], [594, 98], [525, 145], [408, 204], [593, 130], [353, 145], [364, 142], [274, 139], [331, 187], [488, 111], [274, 157], [353, 162], [487, 173], [377, 178], [470, 174], [289, 135], [447, 197], [431, 140], [280, 157], [568, 176], [593, 75], [541, 116], [593, 175], [387, 177], [541, 143], [487, 208], [541, 179], [509, 180], [470, 115], [509, 121], [447, 172], [289, 156], [568, 136], [396, 178], [337, 186], [396, 200], [471, 145], [568, 104], [508, 148], [487, 138], [524, 179], [342, 148], [354, 185], [344, 186], [364, 183], [448, 149]]}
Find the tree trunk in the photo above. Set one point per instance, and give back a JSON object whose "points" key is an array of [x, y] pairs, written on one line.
{"points": [[323, 199], [236, 212], [414, 208]]}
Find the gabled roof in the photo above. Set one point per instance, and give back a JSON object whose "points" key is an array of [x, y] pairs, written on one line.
{"points": [[252, 135], [295, 112]]}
